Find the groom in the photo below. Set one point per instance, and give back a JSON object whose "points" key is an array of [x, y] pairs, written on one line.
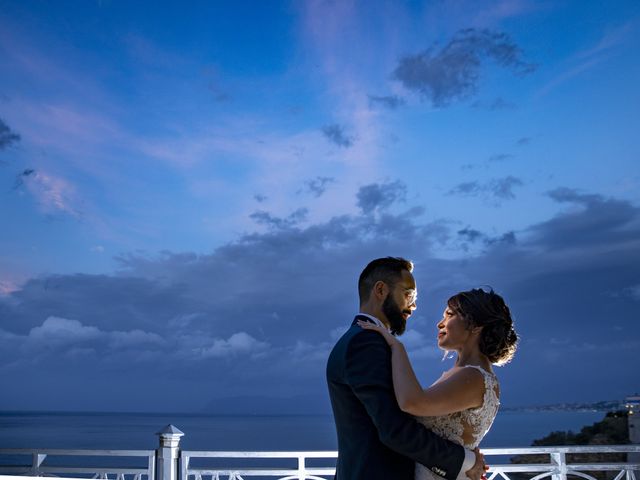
{"points": [[376, 440]]}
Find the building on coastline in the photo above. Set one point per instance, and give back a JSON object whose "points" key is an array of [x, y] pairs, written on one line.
{"points": [[632, 403]]}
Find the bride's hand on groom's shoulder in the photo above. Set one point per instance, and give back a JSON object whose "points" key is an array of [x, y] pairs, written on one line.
{"points": [[390, 339]]}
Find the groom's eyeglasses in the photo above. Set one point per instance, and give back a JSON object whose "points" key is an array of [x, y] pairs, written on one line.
{"points": [[410, 295]]}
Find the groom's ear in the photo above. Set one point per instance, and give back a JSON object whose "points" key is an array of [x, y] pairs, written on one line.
{"points": [[380, 290]]}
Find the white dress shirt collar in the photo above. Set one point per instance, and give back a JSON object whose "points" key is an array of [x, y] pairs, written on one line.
{"points": [[375, 320]]}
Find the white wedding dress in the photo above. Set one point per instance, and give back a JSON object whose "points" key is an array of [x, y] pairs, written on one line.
{"points": [[467, 427]]}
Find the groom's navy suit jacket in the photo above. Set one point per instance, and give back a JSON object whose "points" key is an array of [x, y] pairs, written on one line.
{"points": [[377, 440]]}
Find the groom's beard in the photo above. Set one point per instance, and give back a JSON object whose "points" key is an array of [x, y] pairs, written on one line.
{"points": [[391, 310]]}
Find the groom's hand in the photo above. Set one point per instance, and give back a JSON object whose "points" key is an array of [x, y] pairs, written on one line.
{"points": [[479, 468]]}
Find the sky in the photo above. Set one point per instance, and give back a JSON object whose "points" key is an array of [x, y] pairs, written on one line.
{"points": [[190, 191]]}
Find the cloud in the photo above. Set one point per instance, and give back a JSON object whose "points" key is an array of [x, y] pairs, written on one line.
{"points": [[7, 286], [590, 220], [497, 189], [53, 194], [471, 237], [55, 329], [419, 346], [22, 176], [135, 339], [452, 72], [260, 198], [570, 195], [336, 134], [523, 141], [318, 185], [265, 218], [58, 334], [466, 189], [469, 234], [392, 102], [632, 292], [237, 344], [304, 351], [7, 136], [380, 196], [261, 312], [502, 188]]}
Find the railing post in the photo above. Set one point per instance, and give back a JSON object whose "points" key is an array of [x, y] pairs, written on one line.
{"points": [[559, 460], [302, 467], [37, 459], [168, 453]]}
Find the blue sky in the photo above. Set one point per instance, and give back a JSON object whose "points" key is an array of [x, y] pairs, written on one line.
{"points": [[190, 192]]}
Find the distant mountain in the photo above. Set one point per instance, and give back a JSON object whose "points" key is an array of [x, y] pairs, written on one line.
{"points": [[601, 406], [320, 405]]}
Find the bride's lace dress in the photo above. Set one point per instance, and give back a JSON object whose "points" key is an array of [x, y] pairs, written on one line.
{"points": [[467, 427]]}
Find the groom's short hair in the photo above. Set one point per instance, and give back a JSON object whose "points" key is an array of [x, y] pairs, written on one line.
{"points": [[387, 269]]}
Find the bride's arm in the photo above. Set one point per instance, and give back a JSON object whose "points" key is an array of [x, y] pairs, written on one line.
{"points": [[464, 389]]}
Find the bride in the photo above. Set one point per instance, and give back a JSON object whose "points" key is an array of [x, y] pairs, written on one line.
{"points": [[463, 402]]}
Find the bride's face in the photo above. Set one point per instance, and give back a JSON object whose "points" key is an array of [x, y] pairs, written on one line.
{"points": [[453, 331]]}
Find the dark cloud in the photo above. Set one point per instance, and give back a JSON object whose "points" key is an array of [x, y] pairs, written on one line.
{"points": [[502, 188], [318, 185], [336, 134], [258, 315], [7, 136], [380, 196], [466, 189], [258, 197], [22, 176], [508, 238], [392, 102], [452, 72], [523, 141], [470, 234], [591, 224], [497, 189], [265, 218]]}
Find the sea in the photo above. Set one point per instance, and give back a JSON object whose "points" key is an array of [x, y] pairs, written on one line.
{"points": [[137, 431]]}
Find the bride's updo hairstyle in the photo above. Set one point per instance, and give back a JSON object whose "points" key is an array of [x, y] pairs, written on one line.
{"points": [[498, 339]]}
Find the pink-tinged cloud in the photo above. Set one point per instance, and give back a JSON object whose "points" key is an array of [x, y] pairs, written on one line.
{"points": [[53, 194], [7, 287], [66, 128]]}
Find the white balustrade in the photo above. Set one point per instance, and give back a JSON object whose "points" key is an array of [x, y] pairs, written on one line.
{"points": [[169, 462]]}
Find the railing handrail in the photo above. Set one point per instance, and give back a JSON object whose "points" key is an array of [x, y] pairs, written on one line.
{"points": [[629, 448], [260, 454], [77, 452]]}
